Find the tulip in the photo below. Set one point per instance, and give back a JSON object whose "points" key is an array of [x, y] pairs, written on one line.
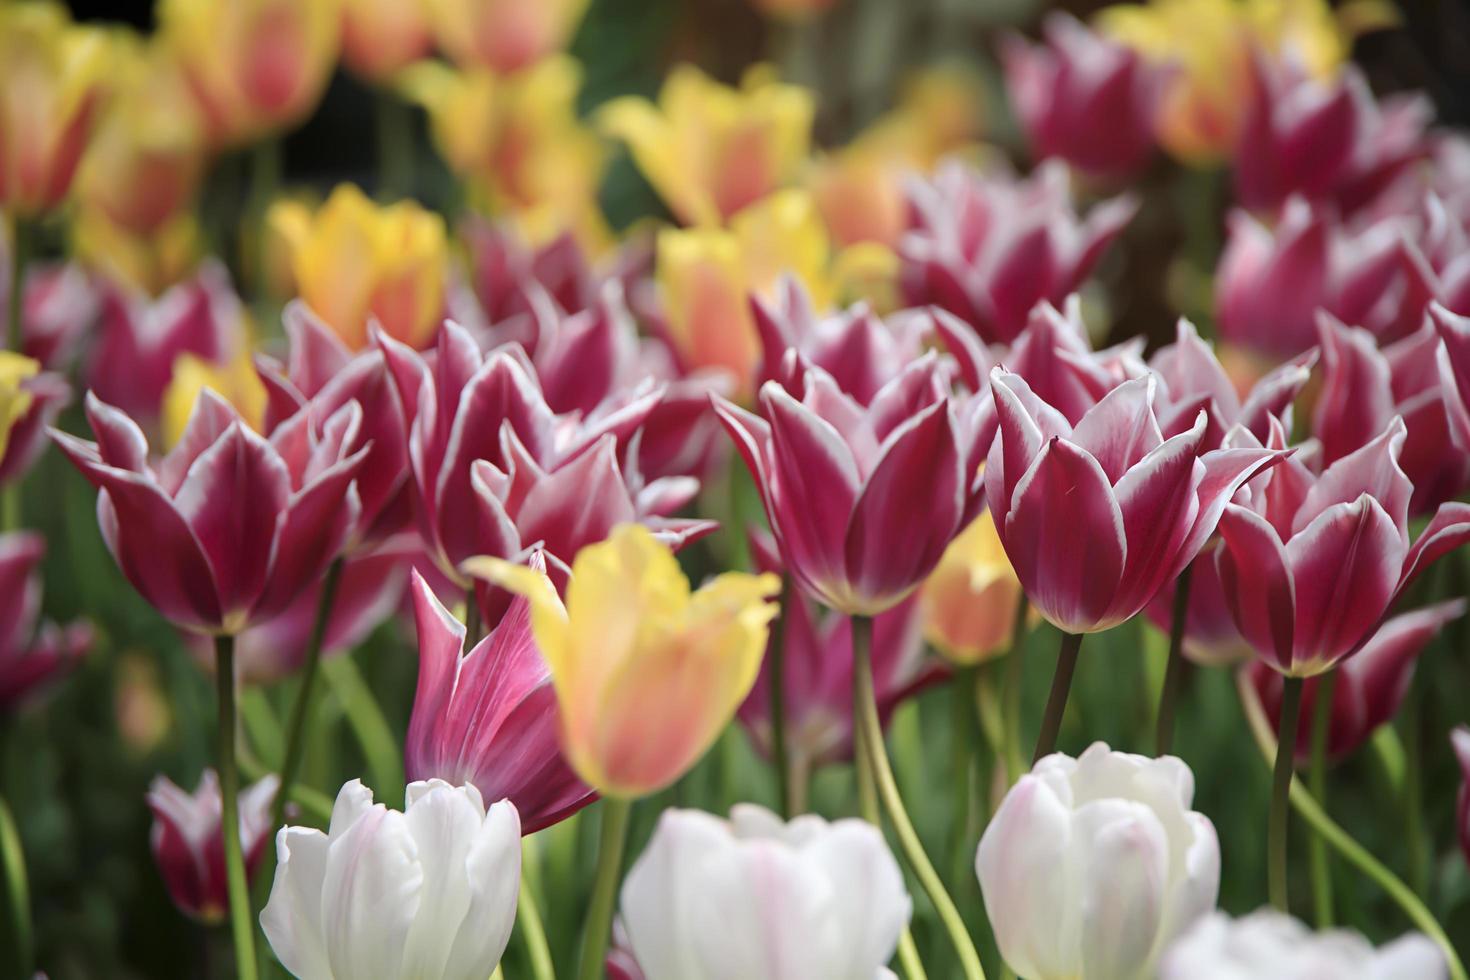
{"points": [[793, 10], [228, 528], [61, 303], [489, 717], [1084, 98], [863, 500], [1271, 943], [30, 658], [1364, 388], [647, 672], [507, 275], [149, 261], [1453, 362], [989, 249], [817, 653], [1311, 564], [355, 262], [381, 37], [188, 845], [1272, 282], [505, 36], [1093, 865], [1370, 684], [30, 400], [254, 66], [53, 74], [711, 150], [692, 904], [426, 892], [1096, 518], [968, 604], [235, 382], [1460, 741]]}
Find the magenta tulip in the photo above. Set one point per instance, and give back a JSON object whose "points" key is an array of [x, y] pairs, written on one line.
{"points": [[863, 500], [1460, 740], [188, 845], [1370, 684], [1083, 98], [1453, 363], [1364, 388], [32, 655], [1312, 564], [988, 249], [49, 394], [61, 305], [228, 528], [1096, 518], [489, 716]]}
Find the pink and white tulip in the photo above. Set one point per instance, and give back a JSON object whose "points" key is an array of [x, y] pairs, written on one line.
{"points": [[1453, 363], [1460, 741], [32, 654]]}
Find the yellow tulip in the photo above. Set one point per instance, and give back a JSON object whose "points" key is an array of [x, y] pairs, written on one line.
{"points": [[151, 261], [647, 673], [253, 65], [504, 36], [53, 77], [355, 261], [380, 37], [236, 382], [968, 603], [793, 10], [711, 150], [15, 400]]}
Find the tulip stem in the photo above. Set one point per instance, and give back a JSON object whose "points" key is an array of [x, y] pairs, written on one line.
{"points": [[20, 248], [1174, 671], [1291, 706], [241, 920], [533, 932], [1342, 842], [875, 759], [301, 709], [1014, 678], [1317, 781], [1418, 859], [395, 147], [778, 700], [1056, 701], [612, 838], [472, 624], [908, 956], [365, 717], [17, 896], [265, 182]]}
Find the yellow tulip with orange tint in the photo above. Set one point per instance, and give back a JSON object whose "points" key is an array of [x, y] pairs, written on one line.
{"points": [[505, 36], [381, 37], [236, 382], [355, 261], [150, 261], [53, 83], [968, 604], [647, 671], [15, 400], [711, 150]]}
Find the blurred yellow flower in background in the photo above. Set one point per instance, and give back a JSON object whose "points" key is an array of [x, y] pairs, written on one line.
{"points": [[504, 35], [968, 604], [710, 150], [647, 672], [54, 76], [381, 37], [236, 382], [151, 261], [15, 400], [354, 260]]}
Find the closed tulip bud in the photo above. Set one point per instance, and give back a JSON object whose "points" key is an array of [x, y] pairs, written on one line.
{"points": [[1460, 741], [1093, 865], [380, 37], [32, 654], [426, 892], [53, 76], [504, 36], [356, 263], [1272, 943], [188, 841], [647, 672], [968, 604], [711, 150], [696, 903]]}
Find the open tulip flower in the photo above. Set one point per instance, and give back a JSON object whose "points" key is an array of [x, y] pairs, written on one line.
{"points": [[647, 672], [30, 657], [30, 400], [1311, 564], [489, 716], [1096, 518], [695, 903], [61, 301], [863, 500], [1453, 361], [188, 845], [429, 891], [989, 248], [227, 528]]}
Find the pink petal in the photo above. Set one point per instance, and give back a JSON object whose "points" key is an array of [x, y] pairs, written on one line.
{"points": [[1158, 502], [1356, 400], [1255, 573], [1373, 470], [1122, 428]]}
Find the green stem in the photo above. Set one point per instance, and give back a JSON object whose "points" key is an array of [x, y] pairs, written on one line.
{"points": [[778, 699], [374, 734], [908, 956], [866, 721], [265, 183], [1174, 672], [1342, 842], [614, 836], [1056, 701], [1291, 705], [964, 743], [1014, 678], [395, 147], [20, 247], [1316, 846], [1418, 856], [473, 628], [301, 710], [17, 896], [867, 792], [242, 922], [533, 933]]}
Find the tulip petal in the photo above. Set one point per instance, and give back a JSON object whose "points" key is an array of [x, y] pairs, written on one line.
{"points": [[1373, 470], [372, 886], [1124, 885], [292, 919], [1256, 575], [493, 868], [311, 532], [1356, 401], [1447, 530], [1121, 429], [1025, 422], [578, 504], [1159, 504]]}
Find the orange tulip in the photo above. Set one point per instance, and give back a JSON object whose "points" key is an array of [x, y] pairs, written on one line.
{"points": [[968, 603], [504, 35]]}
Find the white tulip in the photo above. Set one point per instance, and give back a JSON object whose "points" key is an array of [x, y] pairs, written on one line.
{"points": [[711, 899], [1269, 943], [1092, 865], [426, 893]]}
